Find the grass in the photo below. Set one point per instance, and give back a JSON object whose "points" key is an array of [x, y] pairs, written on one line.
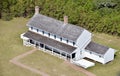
{"points": [[11, 46], [50, 64]]}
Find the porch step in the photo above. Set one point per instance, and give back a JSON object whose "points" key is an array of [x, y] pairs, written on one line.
{"points": [[83, 63]]}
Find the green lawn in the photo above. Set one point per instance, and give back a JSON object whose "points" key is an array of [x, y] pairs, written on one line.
{"points": [[50, 64], [11, 46]]}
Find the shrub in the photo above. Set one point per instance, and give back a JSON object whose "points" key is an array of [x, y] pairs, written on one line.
{"points": [[7, 16]]}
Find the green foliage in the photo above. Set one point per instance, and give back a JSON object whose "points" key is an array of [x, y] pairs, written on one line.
{"points": [[94, 15], [7, 16]]}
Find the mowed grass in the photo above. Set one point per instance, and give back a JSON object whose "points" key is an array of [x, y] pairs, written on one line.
{"points": [[11, 46], [112, 68], [50, 64]]}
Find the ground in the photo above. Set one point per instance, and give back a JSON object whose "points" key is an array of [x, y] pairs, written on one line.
{"points": [[11, 46]]}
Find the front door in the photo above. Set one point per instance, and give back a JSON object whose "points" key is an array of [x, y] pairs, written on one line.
{"points": [[73, 55]]}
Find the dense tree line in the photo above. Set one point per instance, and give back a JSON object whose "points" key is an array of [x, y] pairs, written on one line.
{"points": [[94, 15]]}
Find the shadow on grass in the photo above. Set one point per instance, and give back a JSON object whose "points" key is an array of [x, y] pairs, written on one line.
{"points": [[118, 73]]}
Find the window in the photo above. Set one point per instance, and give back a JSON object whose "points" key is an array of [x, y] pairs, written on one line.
{"points": [[48, 34], [43, 32], [67, 41], [100, 56], [31, 28], [56, 51], [60, 39], [63, 54], [55, 36], [41, 45], [37, 30], [73, 43], [31, 41], [48, 48]]}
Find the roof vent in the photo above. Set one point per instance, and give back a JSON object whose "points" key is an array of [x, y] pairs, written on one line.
{"points": [[36, 9]]}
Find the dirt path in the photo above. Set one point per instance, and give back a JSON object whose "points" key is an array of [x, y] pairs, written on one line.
{"points": [[16, 62], [79, 69]]}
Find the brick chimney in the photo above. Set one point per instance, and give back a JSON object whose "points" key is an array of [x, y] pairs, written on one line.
{"points": [[36, 10], [65, 20]]}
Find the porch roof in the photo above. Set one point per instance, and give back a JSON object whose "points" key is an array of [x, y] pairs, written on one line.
{"points": [[48, 41]]}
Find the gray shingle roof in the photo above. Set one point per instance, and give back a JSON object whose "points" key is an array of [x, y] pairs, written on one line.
{"points": [[97, 48], [56, 27], [61, 46]]}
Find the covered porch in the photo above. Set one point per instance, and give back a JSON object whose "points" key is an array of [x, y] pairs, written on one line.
{"points": [[48, 45], [49, 49]]}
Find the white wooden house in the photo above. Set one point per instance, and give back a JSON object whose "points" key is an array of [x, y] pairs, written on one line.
{"points": [[65, 40]]}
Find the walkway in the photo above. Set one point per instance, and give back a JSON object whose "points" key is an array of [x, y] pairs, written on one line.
{"points": [[16, 62]]}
